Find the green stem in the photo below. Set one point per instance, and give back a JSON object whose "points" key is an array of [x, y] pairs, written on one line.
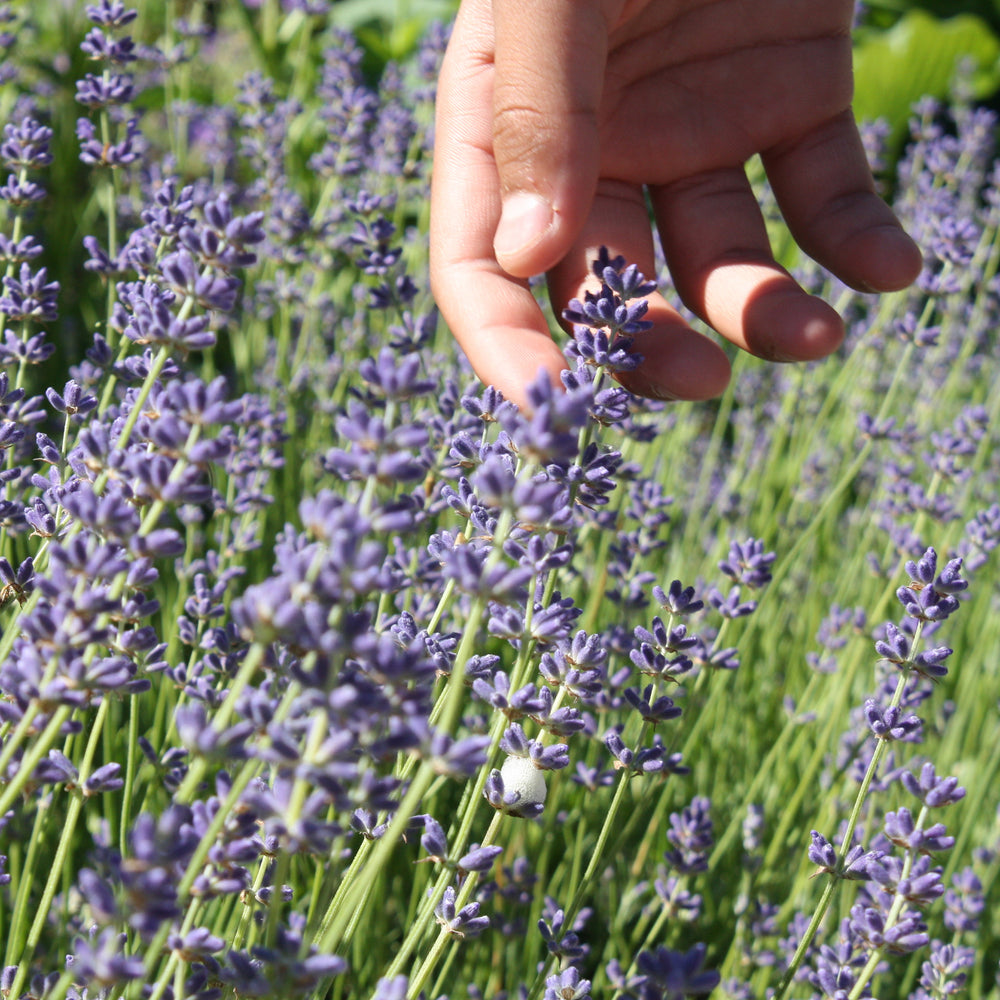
{"points": [[62, 851], [446, 936], [894, 910], [845, 846], [32, 756], [596, 860]]}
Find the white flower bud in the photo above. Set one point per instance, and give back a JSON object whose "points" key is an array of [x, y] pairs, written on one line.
{"points": [[520, 775]]}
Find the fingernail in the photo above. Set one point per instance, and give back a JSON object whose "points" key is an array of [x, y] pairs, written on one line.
{"points": [[524, 220]]}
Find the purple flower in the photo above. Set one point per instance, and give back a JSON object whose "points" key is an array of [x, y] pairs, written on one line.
{"points": [[567, 985], [104, 48], [609, 307], [651, 710], [102, 961], [625, 280], [468, 566], [463, 923], [675, 974], [197, 945], [895, 647], [562, 940], [433, 841], [515, 743], [858, 865], [392, 376], [209, 289], [930, 789], [96, 92], [891, 723], [921, 885], [110, 14], [610, 351], [391, 989], [30, 296], [548, 432], [16, 584], [902, 830], [99, 894], [730, 605], [644, 761], [906, 934], [691, 837], [19, 192], [677, 599], [964, 902], [96, 153], [26, 145], [748, 563], [943, 974]]}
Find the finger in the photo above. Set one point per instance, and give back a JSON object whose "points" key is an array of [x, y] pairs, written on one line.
{"points": [[716, 245], [678, 362], [824, 186], [494, 317], [550, 57]]}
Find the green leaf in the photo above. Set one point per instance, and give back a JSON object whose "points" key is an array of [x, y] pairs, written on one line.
{"points": [[920, 56], [389, 30], [352, 14]]}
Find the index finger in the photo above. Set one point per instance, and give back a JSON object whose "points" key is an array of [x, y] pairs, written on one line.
{"points": [[494, 317]]}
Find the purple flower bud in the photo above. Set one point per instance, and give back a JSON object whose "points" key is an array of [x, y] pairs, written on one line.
{"points": [[901, 829], [930, 789], [858, 865], [110, 14], [25, 145], [567, 985], [906, 934], [104, 779], [464, 923], [748, 563], [102, 959], [890, 723], [479, 859], [730, 605], [652, 710], [677, 599], [104, 92], [433, 839], [895, 647], [964, 901], [197, 945], [678, 973]]}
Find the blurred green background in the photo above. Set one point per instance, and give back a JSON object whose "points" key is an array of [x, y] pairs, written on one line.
{"points": [[905, 49]]}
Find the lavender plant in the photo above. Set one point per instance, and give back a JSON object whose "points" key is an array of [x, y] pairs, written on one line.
{"points": [[327, 672]]}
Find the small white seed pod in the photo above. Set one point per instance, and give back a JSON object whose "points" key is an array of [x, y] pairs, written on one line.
{"points": [[520, 775]]}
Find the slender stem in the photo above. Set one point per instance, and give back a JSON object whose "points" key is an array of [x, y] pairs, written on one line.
{"points": [[881, 748], [597, 858], [62, 851], [446, 936], [32, 756]]}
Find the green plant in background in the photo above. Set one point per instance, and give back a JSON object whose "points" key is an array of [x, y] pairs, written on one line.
{"points": [[921, 55]]}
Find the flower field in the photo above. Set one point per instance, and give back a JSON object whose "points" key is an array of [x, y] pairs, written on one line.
{"points": [[325, 672]]}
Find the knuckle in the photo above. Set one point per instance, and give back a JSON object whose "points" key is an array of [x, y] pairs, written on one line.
{"points": [[521, 133]]}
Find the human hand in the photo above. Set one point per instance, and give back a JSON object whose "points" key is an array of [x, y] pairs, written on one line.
{"points": [[566, 113]]}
